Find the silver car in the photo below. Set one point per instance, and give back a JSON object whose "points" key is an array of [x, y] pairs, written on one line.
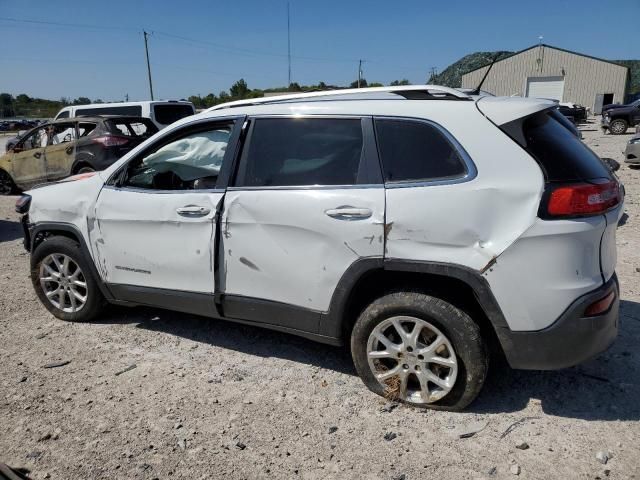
{"points": [[632, 152]]}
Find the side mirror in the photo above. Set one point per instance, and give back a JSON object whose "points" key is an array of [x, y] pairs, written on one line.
{"points": [[613, 165], [67, 138]]}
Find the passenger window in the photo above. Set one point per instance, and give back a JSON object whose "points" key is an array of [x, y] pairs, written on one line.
{"points": [[302, 151], [37, 139], [187, 163], [416, 151], [85, 128], [62, 133]]}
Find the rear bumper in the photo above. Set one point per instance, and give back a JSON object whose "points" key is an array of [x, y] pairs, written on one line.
{"points": [[570, 340]]}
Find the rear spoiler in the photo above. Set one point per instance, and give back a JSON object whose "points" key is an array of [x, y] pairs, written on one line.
{"points": [[502, 110]]}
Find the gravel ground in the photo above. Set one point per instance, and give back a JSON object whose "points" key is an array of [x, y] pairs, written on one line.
{"points": [[155, 394]]}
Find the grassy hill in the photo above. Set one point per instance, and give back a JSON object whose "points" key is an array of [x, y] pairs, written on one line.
{"points": [[452, 75]]}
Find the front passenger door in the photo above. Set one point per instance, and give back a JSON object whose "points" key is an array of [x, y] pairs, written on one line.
{"points": [[155, 227], [27, 163]]}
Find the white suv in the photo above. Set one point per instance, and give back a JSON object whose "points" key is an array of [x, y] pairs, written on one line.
{"points": [[425, 227]]}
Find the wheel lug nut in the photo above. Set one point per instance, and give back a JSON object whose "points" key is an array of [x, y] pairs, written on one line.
{"points": [[405, 366], [417, 367], [409, 349], [420, 357]]}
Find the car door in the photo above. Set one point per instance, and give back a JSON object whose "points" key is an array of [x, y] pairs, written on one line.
{"points": [[28, 166], [155, 226], [61, 151], [306, 203]]}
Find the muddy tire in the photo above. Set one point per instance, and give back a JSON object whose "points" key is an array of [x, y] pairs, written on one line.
{"points": [[420, 350], [64, 282], [7, 187], [618, 126]]}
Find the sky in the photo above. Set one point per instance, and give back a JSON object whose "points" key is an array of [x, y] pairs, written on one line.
{"points": [[95, 49]]}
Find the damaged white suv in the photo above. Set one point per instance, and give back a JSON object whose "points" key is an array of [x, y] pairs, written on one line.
{"points": [[423, 226]]}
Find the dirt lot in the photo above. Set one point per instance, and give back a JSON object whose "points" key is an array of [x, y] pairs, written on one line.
{"points": [[210, 399]]}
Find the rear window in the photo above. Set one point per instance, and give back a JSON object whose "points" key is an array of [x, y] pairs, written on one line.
{"points": [[166, 114], [134, 110], [302, 151], [416, 151], [132, 127], [562, 156]]}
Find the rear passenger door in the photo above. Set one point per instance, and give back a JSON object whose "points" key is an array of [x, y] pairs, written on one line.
{"points": [[307, 202], [61, 151]]}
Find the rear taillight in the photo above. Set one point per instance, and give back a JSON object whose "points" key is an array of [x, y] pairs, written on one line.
{"points": [[583, 198], [601, 306], [111, 141]]}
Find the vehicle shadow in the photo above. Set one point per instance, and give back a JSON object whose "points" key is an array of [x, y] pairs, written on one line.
{"points": [[606, 388], [234, 336], [9, 230]]}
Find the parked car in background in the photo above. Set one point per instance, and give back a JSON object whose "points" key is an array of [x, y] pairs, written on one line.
{"points": [[55, 150], [419, 225], [615, 106], [574, 112], [632, 152], [618, 118], [162, 113]]}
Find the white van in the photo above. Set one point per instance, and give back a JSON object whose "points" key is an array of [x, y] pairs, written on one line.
{"points": [[162, 113]]}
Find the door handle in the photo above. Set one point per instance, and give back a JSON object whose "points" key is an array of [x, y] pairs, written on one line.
{"points": [[349, 213], [69, 150], [193, 211], [37, 154]]}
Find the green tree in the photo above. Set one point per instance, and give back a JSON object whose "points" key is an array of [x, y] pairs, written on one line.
{"points": [[376, 84], [363, 83], [82, 101], [397, 83], [239, 90]]}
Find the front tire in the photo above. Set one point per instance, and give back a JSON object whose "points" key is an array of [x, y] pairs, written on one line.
{"points": [[418, 349], [618, 126], [63, 280]]}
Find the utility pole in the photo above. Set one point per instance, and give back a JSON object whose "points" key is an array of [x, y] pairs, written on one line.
{"points": [[289, 41], [146, 49], [359, 72]]}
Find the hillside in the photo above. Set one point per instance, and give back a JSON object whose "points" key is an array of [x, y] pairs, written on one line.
{"points": [[452, 75]]}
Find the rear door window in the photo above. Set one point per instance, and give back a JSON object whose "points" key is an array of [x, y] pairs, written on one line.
{"points": [[132, 110], [562, 156], [416, 151], [166, 114], [132, 127], [302, 151]]}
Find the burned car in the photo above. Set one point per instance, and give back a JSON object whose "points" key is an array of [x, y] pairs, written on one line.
{"points": [[58, 149]]}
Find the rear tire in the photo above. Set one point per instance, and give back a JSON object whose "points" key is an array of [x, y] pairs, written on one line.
{"points": [[7, 187], [63, 280], [85, 170], [443, 366], [618, 126]]}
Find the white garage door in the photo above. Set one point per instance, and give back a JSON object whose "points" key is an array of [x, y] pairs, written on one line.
{"points": [[545, 87]]}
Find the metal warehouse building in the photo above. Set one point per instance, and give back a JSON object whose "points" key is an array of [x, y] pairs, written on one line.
{"points": [[549, 72]]}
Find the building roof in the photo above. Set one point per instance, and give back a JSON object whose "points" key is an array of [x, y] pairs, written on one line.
{"points": [[552, 47]]}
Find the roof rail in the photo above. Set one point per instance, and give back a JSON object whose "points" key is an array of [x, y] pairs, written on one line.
{"points": [[410, 92]]}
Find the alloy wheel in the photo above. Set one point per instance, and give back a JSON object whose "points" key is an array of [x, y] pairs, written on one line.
{"points": [[412, 359], [618, 127], [63, 282]]}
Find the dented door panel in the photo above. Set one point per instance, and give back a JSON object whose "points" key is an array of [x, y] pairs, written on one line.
{"points": [[294, 245], [141, 239], [59, 160]]}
